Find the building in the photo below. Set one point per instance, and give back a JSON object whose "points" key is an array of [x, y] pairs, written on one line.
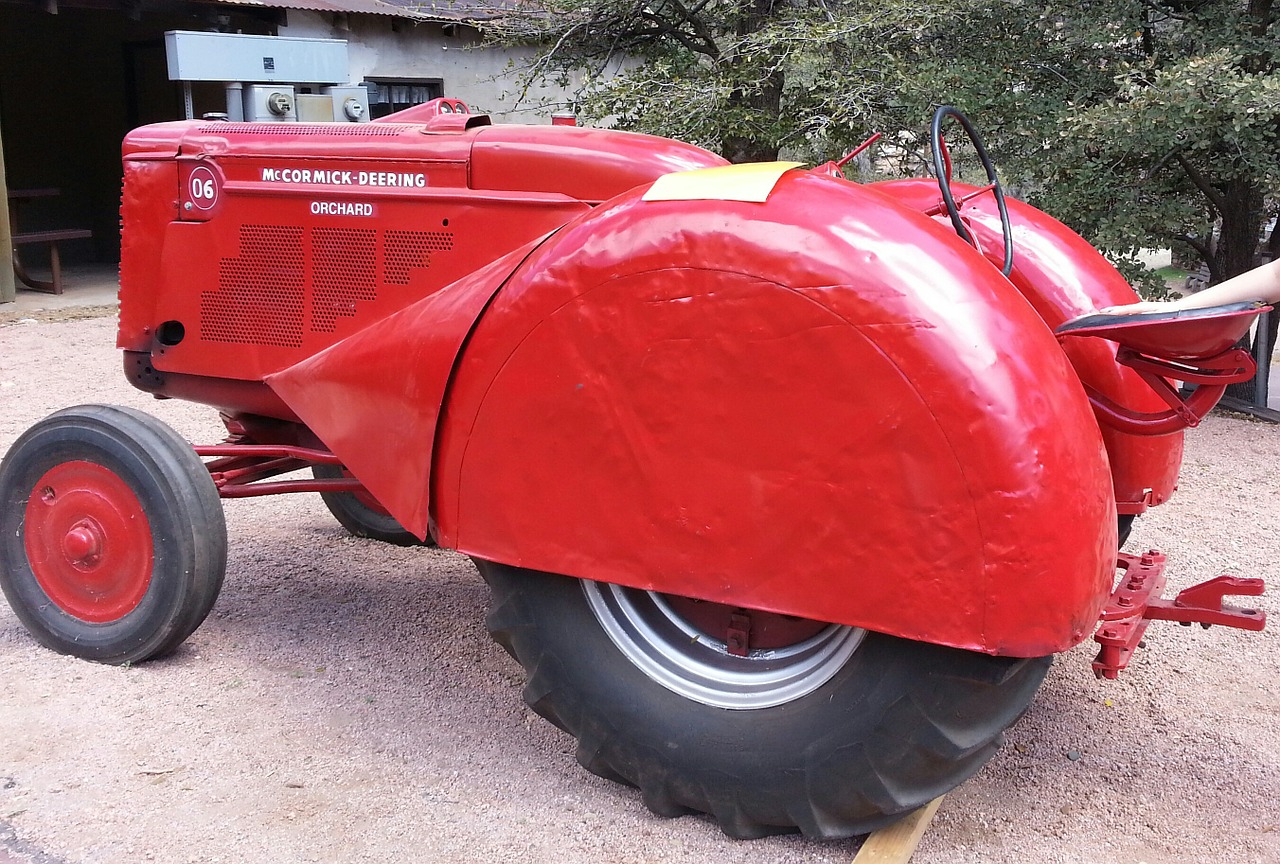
{"points": [[76, 75]]}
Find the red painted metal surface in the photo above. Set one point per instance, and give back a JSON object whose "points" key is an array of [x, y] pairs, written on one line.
{"points": [[380, 391], [148, 203], [89, 541], [1189, 347], [290, 237], [1063, 277], [587, 164], [1211, 375], [825, 405], [239, 470], [1136, 602], [426, 112]]}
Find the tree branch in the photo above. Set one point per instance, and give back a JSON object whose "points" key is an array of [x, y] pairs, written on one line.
{"points": [[661, 29], [1215, 197], [693, 18], [1164, 11], [1203, 250], [1163, 161]]}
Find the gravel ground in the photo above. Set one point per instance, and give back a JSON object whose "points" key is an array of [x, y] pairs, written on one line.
{"points": [[343, 703]]}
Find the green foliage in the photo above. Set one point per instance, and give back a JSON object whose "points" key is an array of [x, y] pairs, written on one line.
{"points": [[1140, 123], [808, 76]]}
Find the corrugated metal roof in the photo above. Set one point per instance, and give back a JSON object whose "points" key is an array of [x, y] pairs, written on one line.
{"points": [[417, 10], [458, 10]]}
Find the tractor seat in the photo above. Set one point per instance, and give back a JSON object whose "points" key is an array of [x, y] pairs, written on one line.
{"points": [[1185, 334]]}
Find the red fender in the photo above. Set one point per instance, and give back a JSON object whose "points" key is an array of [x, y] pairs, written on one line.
{"points": [[1063, 276], [823, 405], [379, 392]]}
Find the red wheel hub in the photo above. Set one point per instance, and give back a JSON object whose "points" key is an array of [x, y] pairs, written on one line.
{"points": [[762, 629], [89, 542]]}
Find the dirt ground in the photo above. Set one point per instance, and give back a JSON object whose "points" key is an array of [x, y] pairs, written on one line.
{"points": [[343, 703]]}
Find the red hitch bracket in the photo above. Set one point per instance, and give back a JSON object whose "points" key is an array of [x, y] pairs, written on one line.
{"points": [[1136, 602]]}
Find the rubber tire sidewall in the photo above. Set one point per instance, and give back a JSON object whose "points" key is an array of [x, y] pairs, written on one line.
{"points": [[902, 723], [358, 518], [1124, 526], [180, 501]]}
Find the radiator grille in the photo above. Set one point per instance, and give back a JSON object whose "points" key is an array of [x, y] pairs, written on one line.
{"points": [[259, 300], [343, 271], [281, 273], [406, 250]]}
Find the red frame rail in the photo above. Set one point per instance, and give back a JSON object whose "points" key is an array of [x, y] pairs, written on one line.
{"points": [[239, 470]]}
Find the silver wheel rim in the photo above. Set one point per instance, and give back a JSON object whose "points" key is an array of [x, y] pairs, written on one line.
{"points": [[687, 661]]}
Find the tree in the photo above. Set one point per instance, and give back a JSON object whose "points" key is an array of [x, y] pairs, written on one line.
{"points": [[1140, 123], [1167, 116], [746, 78], [1168, 123]]}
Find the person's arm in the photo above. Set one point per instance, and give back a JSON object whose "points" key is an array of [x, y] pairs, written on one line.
{"points": [[1260, 283]]}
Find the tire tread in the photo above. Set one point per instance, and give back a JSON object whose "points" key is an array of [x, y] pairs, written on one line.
{"points": [[828, 803]]}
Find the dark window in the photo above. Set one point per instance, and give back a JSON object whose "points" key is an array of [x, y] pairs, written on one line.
{"points": [[388, 95]]}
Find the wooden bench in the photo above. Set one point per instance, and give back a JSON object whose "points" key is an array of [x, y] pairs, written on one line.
{"points": [[53, 238]]}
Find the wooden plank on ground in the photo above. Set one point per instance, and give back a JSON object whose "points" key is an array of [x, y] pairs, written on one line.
{"points": [[896, 843]]}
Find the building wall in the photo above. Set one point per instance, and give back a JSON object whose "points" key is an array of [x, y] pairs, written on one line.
{"points": [[487, 79], [71, 86]]}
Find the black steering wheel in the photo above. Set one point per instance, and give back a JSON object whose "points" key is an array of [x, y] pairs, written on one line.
{"points": [[942, 168]]}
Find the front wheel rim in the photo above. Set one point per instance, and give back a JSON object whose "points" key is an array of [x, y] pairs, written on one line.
{"points": [[88, 541], [680, 657]]}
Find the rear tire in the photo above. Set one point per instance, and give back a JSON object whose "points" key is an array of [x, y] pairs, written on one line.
{"points": [[1124, 525], [847, 750], [360, 514], [112, 538]]}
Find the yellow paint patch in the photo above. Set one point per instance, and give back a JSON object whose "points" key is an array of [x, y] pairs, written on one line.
{"points": [[750, 182]]}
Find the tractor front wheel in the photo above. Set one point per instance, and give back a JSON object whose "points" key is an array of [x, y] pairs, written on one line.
{"points": [[825, 729], [112, 538], [360, 514]]}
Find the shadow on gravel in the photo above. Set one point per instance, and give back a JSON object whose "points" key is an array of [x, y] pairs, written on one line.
{"points": [[11, 844]]}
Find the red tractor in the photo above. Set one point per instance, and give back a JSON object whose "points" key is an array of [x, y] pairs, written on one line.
{"points": [[785, 487]]}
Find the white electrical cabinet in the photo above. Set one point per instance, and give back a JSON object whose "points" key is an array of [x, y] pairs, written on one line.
{"points": [[268, 79], [235, 57]]}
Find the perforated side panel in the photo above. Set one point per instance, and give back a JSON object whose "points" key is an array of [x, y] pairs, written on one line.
{"points": [[406, 250], [264, 292], [360, 130], [343, 271], [259, 300]]}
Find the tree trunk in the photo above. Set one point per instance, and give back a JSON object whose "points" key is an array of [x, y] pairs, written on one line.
{"points": [[1236, 253], [764, 101], [1241, 223]]}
